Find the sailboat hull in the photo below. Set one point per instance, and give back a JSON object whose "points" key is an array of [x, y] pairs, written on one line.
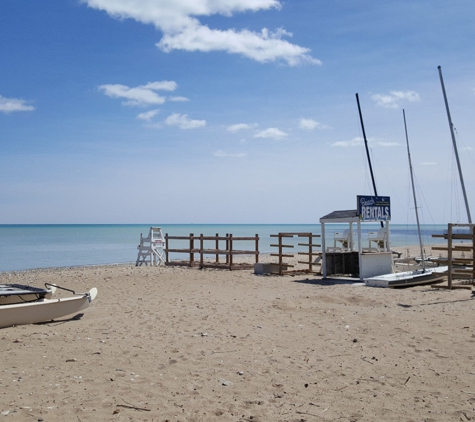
{"points": [[408, 278], [44, 309]]}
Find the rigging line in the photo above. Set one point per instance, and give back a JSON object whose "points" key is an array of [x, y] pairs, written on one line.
{"points": [[388, 180], [466, 149], [421, 192], [426, 237]]}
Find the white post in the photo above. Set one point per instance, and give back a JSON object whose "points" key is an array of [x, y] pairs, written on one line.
{"points": [[324, 254], [360, 250]]}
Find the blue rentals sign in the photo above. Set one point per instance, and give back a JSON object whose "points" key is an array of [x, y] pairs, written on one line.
{"points": [[374, 208]]}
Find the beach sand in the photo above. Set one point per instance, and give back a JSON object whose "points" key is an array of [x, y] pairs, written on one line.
{"points": [[183, 344]]}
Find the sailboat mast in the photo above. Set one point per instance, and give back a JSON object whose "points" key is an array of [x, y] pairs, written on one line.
{"points": [[414, 193], [367, 150], [366, 146], [455, 147]]}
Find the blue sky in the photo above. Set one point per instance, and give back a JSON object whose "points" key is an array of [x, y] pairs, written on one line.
{"points": [[231, 111]]}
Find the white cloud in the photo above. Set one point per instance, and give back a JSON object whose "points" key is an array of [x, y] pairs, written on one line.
{"points": [[221, 153], [9, 105], [358, 141], [240, 126], [183, 121], [178, 99], [263, 47], [148, 115], [182, 30], [355, 142], [272, 133], [393, 99], [429, 163], [387, 144], [310, 124], [142, 95]]}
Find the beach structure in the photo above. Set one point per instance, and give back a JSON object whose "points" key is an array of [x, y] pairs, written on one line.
{"points": [[348, 254], [151, 248]]}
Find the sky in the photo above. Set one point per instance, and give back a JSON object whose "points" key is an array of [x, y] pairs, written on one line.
{"points": [[232, 111]]}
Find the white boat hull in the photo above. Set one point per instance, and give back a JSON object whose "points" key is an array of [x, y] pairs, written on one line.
{"points": [[44, 309], [407, 278]]}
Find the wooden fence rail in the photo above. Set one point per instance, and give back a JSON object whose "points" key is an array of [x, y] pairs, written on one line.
{"points": [[313, 256], [460, 255], [228, 251]]}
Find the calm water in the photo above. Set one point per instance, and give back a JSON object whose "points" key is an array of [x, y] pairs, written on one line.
{"points": [[45, 246]]}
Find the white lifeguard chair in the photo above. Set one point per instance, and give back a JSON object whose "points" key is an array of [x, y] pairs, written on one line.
{"points": [[151, 248]]}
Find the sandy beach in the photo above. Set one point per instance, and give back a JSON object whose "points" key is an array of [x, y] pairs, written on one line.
{"points": [[183, 344]]}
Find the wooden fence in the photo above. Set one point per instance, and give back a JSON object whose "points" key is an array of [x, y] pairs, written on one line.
{"points": [[215, 250], [460, 257], [313, 256]]}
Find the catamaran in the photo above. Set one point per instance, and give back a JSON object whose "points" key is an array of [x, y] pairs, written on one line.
{"points": [[20, 304], [419, 276]]}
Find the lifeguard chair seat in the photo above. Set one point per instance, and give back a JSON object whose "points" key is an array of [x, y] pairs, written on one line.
{"points": [[342, 240], [380, 238]]}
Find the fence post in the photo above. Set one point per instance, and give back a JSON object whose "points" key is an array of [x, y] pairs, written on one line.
{"points": [[217, 248], [227, 248], [166, 248], [449, 255], [201, 250], [310, 252], [192, 245], [280, 253], [230, 251], [257, 248]]}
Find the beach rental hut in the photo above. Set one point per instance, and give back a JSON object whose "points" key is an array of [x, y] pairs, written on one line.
{"points": [[346, 253]]}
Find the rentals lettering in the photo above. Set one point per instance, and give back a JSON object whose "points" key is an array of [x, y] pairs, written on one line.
{"points": [[374, 208]]}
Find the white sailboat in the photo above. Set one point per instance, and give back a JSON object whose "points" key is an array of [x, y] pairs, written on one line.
{"points": [[415, 277]]}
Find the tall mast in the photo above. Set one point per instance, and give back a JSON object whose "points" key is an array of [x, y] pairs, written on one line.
{"points": [[455, 147], [367, 150], [366, 146], [414, 194]]}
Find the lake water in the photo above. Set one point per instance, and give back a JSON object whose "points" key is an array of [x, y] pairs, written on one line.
{"points": [[63, 245]]}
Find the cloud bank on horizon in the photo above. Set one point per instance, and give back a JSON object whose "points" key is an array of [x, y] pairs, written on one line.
{"points": [[182, 30]]}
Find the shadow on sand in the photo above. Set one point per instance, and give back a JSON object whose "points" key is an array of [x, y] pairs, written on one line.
{"points": [[330, 281]]}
